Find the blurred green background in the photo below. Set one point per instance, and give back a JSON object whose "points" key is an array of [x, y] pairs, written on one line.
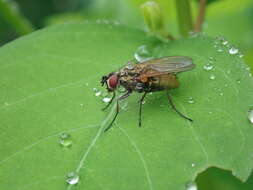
{"points": [[232, 19]]}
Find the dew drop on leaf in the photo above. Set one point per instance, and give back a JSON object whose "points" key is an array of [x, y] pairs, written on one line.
{"points": [[233, 51], [212, 77], [190, 100], [193, 164], [225, 42], [130, 65], [142, 53], [72, 178], [208, 67], [65, 140], [250, 115], [191, 186], [106, 99], [98, 93]]}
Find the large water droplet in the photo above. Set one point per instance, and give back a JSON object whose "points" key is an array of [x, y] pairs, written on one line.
{"points": [[65, 140], [142, 53], [190, 100], [212, 77], [233, 50], [72, 178], [193, 165], [191, 186], [250, 116], [208, 67]]}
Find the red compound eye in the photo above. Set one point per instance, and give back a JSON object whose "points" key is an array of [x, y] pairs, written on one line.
{"points": [[112, 81]]}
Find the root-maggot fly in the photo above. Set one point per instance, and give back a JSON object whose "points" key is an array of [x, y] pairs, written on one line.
{"points": [[145, 77]]}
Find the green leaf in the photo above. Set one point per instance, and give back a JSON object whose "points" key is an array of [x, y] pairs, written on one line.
{"points": [[46, 83]]}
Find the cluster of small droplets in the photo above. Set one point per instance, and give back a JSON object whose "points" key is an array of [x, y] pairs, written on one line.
{"points": [[65, 140], [103, 95], [219, 91], [210, 64], [221, 44], [72, 178]]}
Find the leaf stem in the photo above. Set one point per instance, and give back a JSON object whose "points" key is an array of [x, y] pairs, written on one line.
{"points": [[201, 16], [12, 17], [184, 17]]}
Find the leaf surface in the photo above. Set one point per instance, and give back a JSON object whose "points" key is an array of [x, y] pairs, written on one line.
{"points": [[46, 83]]}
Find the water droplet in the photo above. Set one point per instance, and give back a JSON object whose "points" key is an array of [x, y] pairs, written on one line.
{"points": [[143, 102], [225, 42], [86, 84], [208, 67], [228, 71], [106, 99], [6, 104], [233, 51], [142, 54], [250, 116], [220, 50], [221, 93], [130, 65], [193, 165], [212, 77], [240, 55], [81, 105], [191, 186], [64, 140], [190, 100], [210, 112], [72, 178], [98, 93], [226, 85], [95, 89], [238, 81]]}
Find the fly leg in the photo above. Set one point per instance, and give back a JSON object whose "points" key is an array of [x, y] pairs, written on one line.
{"points": [[175, 109], [117, 109], [141, 102], [109, 103]]}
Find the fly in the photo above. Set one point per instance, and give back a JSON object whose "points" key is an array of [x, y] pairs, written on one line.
{"points": [[145, 77]]}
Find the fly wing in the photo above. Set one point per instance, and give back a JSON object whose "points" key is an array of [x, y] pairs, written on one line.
{"points": [[171, 64]]}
